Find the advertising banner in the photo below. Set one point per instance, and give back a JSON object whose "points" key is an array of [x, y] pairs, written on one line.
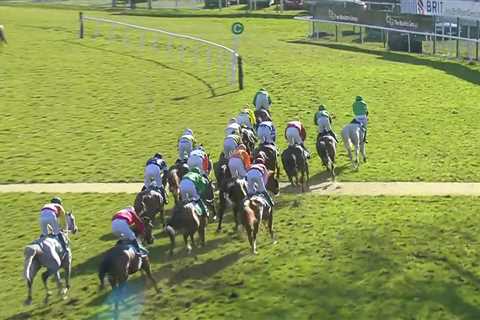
{"points": [[346, 12]]}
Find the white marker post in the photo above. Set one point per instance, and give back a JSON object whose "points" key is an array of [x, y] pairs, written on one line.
{"points": [[237, 30]]}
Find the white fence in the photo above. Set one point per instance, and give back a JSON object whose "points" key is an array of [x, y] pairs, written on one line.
{"points": [[231, 57], [461, 44]]}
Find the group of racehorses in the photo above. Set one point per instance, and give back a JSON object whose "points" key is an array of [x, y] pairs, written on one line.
{"points": [[250, 211]]}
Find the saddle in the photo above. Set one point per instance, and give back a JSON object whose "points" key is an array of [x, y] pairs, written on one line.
{"points": [[260, 198], [355, 121]]}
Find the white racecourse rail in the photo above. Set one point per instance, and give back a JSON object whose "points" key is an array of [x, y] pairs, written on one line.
{"points": [[452, 37], [236, 61]]}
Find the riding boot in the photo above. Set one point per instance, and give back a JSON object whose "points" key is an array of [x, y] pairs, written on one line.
{"points": [[333, 135], [306, 151], [164, 195], [202, 205], [141, 250], [268, 198], [63, 243], [365, 135]]}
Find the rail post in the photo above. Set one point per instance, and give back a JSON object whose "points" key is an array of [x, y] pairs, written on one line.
{"points": [[80, 14], [434, 49], [458, 40], [336, 32], [240, 72], [478, 39]]}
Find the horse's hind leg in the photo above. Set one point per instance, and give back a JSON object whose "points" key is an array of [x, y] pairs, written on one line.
{"points": [[148, 271], [270, 227], [363, 151], [187, 245], [255, 232]]}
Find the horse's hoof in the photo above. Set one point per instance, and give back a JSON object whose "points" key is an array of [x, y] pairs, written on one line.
{"points": [[274, 242], [63, 292], [28, 302], [49, 293]]}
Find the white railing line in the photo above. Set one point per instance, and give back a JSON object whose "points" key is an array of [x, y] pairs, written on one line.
{"points": [[438, 35], [162, 31]]}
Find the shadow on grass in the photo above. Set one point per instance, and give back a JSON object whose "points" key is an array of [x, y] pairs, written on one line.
{"points": [[211, 89], [452, 68], [205, 270], [317, 179]]}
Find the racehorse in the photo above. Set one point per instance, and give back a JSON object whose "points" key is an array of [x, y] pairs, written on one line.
{"points": [[295, 162], [354, 134], [326, 149], [3, 38], [270, 153], [47, 252], [222, 176], [175, 174], [236, 190], [121, 261], [150, 202], [262, 115], [249, 139], [256, 210], [186, 219]]}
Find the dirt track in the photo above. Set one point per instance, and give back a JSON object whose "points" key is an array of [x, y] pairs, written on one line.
{"points": [[339, 188]]}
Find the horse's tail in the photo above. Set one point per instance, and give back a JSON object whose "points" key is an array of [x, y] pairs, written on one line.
{"points": [[324, 153], [29, 254], [248, 213], [289, 161]]}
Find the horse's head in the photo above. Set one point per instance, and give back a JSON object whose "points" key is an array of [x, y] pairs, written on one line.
{"points": [[148, 229], [71, 222]]}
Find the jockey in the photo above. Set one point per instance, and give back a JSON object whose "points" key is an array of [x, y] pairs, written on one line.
{"points": [[239, 162], [360, 111], [193, 187], [230, 143], [156, 170], [266, 132], [185, 144], [198, 158], [246, 118], [257, 177], [262, 100], [323, 120], [50, 215], [295, 134], [123, 221], [233, 127]]}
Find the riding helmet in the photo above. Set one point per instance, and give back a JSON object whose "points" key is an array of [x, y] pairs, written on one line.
{"points": [[322, 107], [158, 155], [56, 200], [358, 98]]}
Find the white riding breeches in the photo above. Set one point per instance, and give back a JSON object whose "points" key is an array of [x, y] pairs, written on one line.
{"points": [[243, 119], [229, 145], [265, 134], [195, 161], [121, 229], [363, 120], [324, 124], [152, 173], [184, 148], [237, 168], [261, 102], [47, 217], [188, 190], [255, 182], [293, 136]]}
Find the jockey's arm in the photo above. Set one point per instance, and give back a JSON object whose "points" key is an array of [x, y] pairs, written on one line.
{"points": [[61, 216], [139, 225]]}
